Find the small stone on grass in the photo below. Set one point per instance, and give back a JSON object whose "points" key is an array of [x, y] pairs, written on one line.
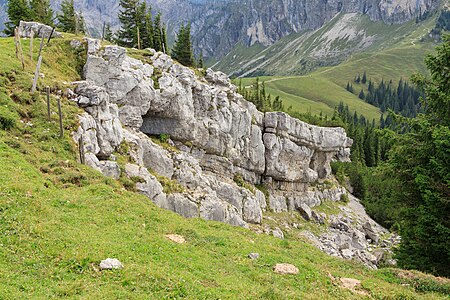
{"points": [[110, 264], [285, 269], [253, 255], [176, 238]]}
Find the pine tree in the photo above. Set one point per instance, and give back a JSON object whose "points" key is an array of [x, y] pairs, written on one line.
{"points": [[147, 32], [69, 20], [130, 20], [18, 10], [361, 95], [200, 60], [364, 78], [182, 50], [108, 34], [157, 33], [41, 12]]}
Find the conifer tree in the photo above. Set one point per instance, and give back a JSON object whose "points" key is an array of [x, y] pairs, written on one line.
{"points": [[200, 60], [157, 33], [130, 19], [41, 11], [18, 10], [182, 50], [364, 78], [69, 20], [108, 34]]}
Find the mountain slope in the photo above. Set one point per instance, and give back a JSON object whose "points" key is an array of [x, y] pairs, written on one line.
{"points": [[345, 36], [218, 26], [59, 218]]}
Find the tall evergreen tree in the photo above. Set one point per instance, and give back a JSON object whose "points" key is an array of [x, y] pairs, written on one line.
{"points": [[130, 19], [108, 34], [41, 11], [419, 164], [69, 19], [158, 42], [18, 10], [182, 50]]}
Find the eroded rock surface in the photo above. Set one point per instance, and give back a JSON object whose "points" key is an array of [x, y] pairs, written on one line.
{"points": [[212, 136], [196, 147]]}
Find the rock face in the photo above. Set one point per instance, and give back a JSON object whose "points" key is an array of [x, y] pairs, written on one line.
{"points": [[219, 146], [196, 147], [39, 30]]}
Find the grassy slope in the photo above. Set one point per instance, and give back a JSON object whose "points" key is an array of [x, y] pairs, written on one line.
{"points": [[58, 219], [398, 53]]}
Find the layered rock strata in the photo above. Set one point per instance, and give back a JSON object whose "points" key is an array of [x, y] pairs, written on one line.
{"points": [[221, 145]]}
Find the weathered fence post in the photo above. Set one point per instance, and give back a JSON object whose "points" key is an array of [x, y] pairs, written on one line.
{"points": [[61, 129], [19, 46], [38, 67], [31, 45], [16, 42], [81, 148], [48, 102]]}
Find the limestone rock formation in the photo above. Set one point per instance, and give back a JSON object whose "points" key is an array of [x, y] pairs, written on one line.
{"points": [[38, 29], [216, 137], [196, 147]]}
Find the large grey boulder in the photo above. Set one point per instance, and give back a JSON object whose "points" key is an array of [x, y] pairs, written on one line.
{"points": [[38, 29]]}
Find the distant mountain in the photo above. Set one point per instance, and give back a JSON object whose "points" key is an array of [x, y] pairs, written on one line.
{"points": [[222, 25]]}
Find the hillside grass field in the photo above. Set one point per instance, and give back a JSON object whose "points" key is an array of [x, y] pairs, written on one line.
{"points": [[59, 219], [322, 90]]}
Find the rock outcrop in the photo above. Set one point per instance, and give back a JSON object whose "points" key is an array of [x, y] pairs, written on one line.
{"points": [[38, 30], [196, 147], [221, 145]]}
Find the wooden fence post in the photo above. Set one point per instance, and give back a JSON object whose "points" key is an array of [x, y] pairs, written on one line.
{"points": [[139, 38], [48, 102], [16, 42], [81, 148], [31, 45], [19, 46], [38, 67], [61, 129]]}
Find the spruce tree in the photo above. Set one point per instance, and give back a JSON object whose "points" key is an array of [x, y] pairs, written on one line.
{"points": [[69, 20], [130, 20], [182, 50], [41, 12], [157, 33], [108, 34], [18, 10]]}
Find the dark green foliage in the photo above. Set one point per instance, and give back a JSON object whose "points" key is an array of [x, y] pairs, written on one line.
{"points": [[421, 159], [23, 10], [108, 34], [402, 99], [130, 20], [411, 190], [257, 95], [182, 50], [41, 12], [69, 20], [442, 24], [138, 29], [17, 10]]}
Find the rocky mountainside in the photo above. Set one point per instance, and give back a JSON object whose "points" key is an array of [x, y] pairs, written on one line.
{"points": [[219, 25], [212, 155]]}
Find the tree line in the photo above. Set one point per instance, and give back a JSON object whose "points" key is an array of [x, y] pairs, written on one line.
{"points": [[139, 28], [403, 98], [256, 93], [68, 20], [408, 187]]}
